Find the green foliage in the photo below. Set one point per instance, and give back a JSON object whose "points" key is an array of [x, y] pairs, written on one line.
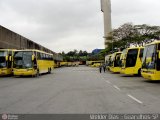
{"points": [[119, 38], [128, 34], [75, 56], [82, 56]]}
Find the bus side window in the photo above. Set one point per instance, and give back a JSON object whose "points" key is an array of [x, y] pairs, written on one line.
{"points": [[38, 56], [141, 53], [159, 46], [42, 57], [158, 60]]}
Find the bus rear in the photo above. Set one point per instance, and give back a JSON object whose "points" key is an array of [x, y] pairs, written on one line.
{"points": [[151, 61], [132, 61], [6, 62]]}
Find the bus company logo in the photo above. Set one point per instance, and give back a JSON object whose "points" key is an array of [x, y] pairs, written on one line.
{"points": [[4, 116]]}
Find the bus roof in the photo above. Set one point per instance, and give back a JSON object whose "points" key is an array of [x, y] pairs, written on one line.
{"points": [[34, 50], [117, 52], [134, 47], [6, 49], [154, 42]]}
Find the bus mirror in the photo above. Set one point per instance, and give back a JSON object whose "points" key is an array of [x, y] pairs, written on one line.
{"points": [[159, 54], [6, 58], [33, 57]]}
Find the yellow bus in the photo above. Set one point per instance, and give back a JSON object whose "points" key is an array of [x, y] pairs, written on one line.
{"points": [[108, 61], [115, 62], [94, 63], [6, 61], [131, 61], [57, 59], [63, 63], [88, 63], [56, 64], [32, 62], [151, 61]]}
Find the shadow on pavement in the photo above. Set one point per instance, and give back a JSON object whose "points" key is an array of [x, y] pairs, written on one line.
{"points": [[152, 81], [130, 76]]}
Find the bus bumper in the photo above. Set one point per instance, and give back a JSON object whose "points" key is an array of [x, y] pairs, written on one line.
{"points": [[115, 69], [150, 75], [24, 72], [5, 71], [129, 71]]}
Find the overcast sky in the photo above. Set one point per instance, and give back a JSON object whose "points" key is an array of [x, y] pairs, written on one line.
{"points": [[64, 25]]}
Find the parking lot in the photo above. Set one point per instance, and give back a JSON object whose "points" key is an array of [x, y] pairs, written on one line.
{"points": [[79, 90]]}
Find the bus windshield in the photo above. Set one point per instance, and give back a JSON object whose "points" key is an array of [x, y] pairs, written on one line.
{"points": [[117, 62], [131, 57], [3, 53], [3, 62], [23, 59], [149, 57]]}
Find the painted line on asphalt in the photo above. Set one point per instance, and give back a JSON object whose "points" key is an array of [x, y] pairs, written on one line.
{"points": [[117, 87], [108, 81], [135, 99]]}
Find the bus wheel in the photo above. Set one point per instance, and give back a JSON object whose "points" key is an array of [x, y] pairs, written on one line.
{"points": [[139, 72], [49, 70]]}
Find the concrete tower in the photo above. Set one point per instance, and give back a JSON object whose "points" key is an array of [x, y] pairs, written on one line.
{"points": [[106, 9]]}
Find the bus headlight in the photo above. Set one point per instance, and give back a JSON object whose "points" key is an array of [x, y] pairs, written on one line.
{"points": [[151, 72], [29, 69], [4, 69]]}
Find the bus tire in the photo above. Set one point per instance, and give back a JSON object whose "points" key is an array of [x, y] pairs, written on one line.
{"points": [[49, 70], [139, 72]]}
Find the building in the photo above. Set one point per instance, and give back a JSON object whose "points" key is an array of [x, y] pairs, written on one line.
{"points": [[12, 40], [106, 9]]}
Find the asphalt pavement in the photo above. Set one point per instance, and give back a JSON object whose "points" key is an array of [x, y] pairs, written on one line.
{"points": [[79, 90]]}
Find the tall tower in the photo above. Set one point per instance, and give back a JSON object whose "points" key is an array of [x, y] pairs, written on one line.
{"points": [[106, 9]]}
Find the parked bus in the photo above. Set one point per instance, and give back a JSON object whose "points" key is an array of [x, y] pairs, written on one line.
{"points": [[56, 64], [115, 62], [151, 61], [108, 61], [63, 63], [32, 62], [97, 63], [131, 61], [94, 63], [6, 61]]}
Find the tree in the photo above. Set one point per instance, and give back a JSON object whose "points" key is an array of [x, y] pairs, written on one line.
{"points": [[85, 53], [75, 55], [128, 34], [80, 53]]}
